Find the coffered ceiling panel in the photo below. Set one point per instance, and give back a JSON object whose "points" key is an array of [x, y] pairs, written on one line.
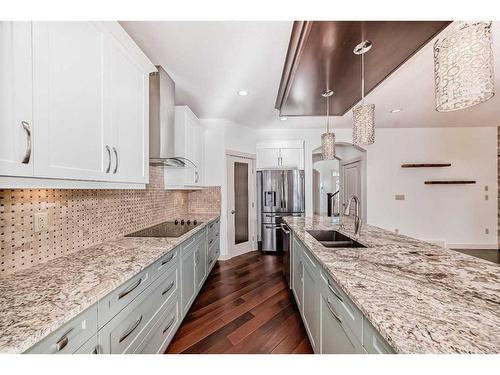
{"points": [[320, 56]]}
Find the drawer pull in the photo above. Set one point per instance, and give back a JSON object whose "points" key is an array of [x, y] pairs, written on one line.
{"points": [[334, 292], [168, 288], [63, 341], [330, 307], [130, 290], [130, 330], [167, 260], [169, 324]]}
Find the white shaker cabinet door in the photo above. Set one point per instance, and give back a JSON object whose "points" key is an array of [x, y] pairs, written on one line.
{"points": [[16, 123], [292, 158], [69, 92], [130, 118], [268, 158]]}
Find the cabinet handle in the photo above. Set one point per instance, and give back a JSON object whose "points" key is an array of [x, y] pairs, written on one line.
{"points": [[330, 307], [167, 260], [169, 324], [116, 156], [211, 241], [196, 177], [130, 330], [27, 155], [334, 292], [301, 270], [129, 290], [108, 168], [63, 341], [168, 288]]}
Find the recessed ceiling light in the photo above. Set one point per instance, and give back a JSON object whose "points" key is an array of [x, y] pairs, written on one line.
{"points": [[243, 93], [396, 110], [283, 118]]}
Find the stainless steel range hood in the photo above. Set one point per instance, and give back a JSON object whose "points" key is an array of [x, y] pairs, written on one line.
{"points": [[162, 122]]}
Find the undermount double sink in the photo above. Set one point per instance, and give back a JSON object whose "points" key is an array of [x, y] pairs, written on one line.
{"points": [[334, 239]]}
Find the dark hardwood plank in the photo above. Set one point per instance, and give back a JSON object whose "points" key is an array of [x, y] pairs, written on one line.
{"points": [[245, 306]]}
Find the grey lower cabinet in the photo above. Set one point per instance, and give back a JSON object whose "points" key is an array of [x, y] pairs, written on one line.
{"points": [[298, 273], [188, 273], [143, 314], [334, 338], [68, 338], [310, 305], [333, 323]]}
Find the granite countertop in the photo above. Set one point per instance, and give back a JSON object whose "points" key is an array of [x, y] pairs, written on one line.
{"points": [[37, 301], [422, 298]]}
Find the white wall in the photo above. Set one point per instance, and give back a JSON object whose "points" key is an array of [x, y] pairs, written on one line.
{"points": [[224, 135], [456, 214]]}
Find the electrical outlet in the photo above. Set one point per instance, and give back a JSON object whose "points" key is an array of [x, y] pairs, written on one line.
{"points": [[487, 231], [486, 197], [399, 197], [41, 222]]}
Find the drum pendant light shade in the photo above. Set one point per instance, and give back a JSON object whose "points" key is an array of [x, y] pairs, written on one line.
{"points": [[363, 130], [463, 66], [328, 146], [328, 138]]}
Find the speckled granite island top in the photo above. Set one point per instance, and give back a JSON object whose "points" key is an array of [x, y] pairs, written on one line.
{"points": [[36, 301], [422, 298]]}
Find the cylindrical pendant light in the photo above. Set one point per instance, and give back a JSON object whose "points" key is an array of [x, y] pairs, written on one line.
{"points": [[363, 129], [463, 66], [328, 139]]}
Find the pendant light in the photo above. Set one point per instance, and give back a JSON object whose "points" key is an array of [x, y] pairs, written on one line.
{"points": [[363, 130], [463, 66], [328, 139]]}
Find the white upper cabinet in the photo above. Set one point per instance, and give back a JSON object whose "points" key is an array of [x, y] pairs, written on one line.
{"points": [[90, 95], [69, 100], [280, 154], [130, 118], [189, 144], [16, 122]]}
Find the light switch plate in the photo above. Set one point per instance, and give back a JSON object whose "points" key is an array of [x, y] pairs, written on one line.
{"points": [[41, 222]]}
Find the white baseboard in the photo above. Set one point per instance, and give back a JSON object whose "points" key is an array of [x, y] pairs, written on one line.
{"points": [[471, 246]]}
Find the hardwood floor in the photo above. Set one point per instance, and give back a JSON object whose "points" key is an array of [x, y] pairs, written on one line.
{"points": [[244, 307]]}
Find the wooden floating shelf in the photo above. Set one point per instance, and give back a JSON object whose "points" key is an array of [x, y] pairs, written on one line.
{"points": [[426, 165], [449, 182]]}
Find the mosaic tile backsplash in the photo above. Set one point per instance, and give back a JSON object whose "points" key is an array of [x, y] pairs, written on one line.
{"points": [[82, 218]]}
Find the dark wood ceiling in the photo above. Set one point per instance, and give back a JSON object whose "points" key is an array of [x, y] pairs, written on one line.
{"points": [[320, 56]]}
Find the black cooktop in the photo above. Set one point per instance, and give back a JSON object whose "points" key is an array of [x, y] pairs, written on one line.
{"points": [[167, 229]]}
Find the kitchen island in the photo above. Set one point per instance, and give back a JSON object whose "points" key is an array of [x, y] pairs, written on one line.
{"points": [[421, 298]]}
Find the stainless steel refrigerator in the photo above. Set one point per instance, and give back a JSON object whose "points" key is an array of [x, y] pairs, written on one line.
{"points": [[279, 193]]}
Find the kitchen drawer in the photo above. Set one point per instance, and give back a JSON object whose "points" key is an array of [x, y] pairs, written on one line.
{"points": [[127, 329], [165, 262], [69, 337], [373, 342], [163, 329], [191, 241], [213, 227], [346, 309], [213, 255], [116, 301], [90, 347], [213, 240]]}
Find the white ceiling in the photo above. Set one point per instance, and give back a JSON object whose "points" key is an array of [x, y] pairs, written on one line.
{"points": [[211, 61]]}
